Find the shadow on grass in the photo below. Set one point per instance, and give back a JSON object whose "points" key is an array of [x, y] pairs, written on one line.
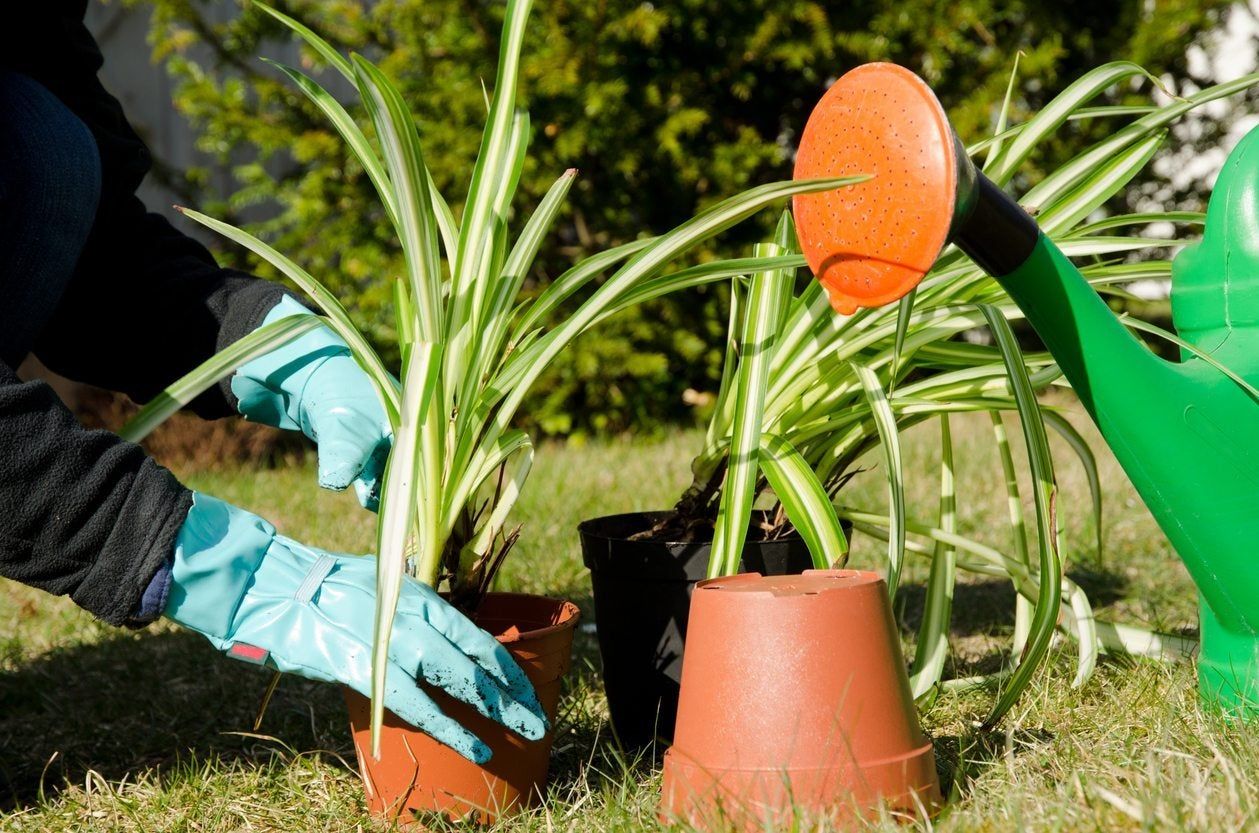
{"points": [[153, 702], [986, 606], [142, 703]]}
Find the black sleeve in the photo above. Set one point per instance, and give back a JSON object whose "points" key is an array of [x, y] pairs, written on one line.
{"points": [[147, 303], [85, 514]]}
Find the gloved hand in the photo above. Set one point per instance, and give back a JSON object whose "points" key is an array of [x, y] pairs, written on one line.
{"points": [[313, 385], [262, 598]]}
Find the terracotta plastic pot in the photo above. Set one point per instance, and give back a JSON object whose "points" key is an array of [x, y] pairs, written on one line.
{"points": [[418, 775], [642, 595], [795, 706]]}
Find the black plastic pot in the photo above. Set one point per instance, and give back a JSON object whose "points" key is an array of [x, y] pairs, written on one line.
{"points": [[642, 593]]}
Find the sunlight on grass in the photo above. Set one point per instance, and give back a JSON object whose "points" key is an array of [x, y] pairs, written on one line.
{"points": [[107, 730]]}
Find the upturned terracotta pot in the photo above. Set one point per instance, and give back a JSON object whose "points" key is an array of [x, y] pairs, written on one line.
{"points": [[416, 775], [795, 707]]}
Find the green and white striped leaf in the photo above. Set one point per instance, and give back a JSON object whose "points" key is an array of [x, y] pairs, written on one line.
{"points": [[325, 50], [1001, 169], [1049, 575], [994, 150], [408, 475], [706, 273], [767, 295], [804, 500], [890, 444], [513, 483], [932, 650], [904, 311], [516, 269], [1095, 189], [345, 126], [491, 174], [723, 408], [528, 365], [572, 280], [222, 364], [338, 318], [1196, 352], [1085, 455], [417, 222], [1018, 531]]}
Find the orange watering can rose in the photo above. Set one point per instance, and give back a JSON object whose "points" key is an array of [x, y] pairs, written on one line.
{"points": [[871, 243]]}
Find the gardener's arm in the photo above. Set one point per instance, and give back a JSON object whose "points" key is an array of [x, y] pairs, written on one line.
{"points": [[146, 303], [85, 514]]}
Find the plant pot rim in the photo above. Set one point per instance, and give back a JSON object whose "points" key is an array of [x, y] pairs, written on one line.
{"points": [[810, 582], [568, 614], [590, 529], [680, 757]]}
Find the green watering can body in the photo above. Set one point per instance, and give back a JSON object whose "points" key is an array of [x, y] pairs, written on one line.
{"points": [[1186, 434]]}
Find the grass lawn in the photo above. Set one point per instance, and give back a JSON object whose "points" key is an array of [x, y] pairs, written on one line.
{"points": [[108, 730]]}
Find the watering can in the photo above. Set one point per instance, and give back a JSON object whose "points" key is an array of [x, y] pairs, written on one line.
{"points": [[1185, 433]]}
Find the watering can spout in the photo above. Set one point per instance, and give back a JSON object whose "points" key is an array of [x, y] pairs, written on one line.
{"points": [[1186, 434], [1105, 363]]}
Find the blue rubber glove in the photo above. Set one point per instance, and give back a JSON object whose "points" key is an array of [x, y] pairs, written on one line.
{"points": [[313, 385], [262, 598]]}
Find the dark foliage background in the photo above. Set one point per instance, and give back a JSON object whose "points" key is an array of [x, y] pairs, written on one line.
{"points": [[663, 106]]}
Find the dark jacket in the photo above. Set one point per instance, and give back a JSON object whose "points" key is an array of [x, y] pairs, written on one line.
{"points": [[83, 513]]}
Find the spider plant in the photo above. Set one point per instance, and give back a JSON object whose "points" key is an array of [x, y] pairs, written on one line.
{"points": [[807, 394], [471, 347]]}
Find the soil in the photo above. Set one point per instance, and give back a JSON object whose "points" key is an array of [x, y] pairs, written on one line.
{"points": [[678, 528]]}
